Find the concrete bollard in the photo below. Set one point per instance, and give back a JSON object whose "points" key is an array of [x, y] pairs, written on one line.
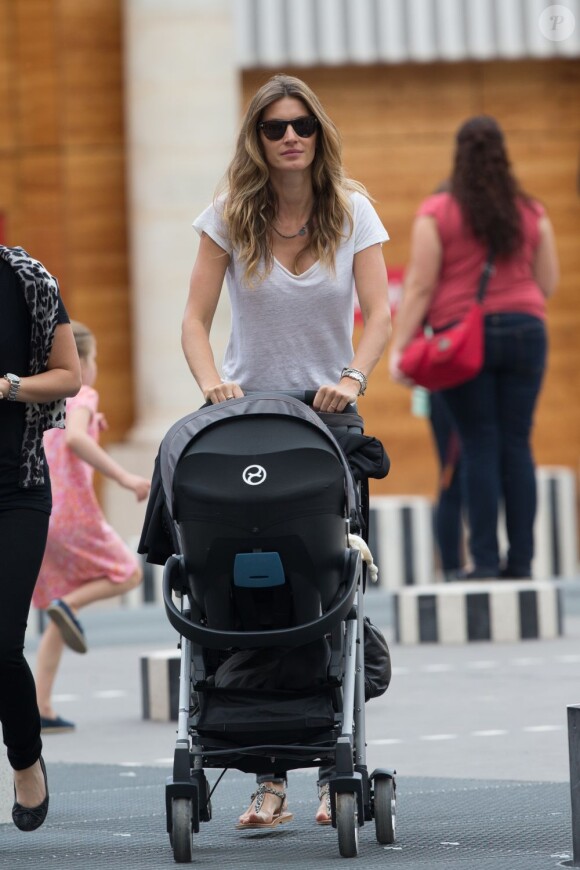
{"points": [[494, 610], [160, 685], [401, 540], [149, 591], [556, 529], [574, 753]]}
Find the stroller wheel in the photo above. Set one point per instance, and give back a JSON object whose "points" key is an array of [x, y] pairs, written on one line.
{"points": [[347, 824], [384, 810], [182, 833]]}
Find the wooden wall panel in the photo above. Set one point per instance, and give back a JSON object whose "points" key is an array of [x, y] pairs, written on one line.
{"points": [[98, 269], [7, 118], [7, 189], [398, 126], [371, 102], [91, 71], [37, 217], [532, 95], [36, 82], [62, 169]]}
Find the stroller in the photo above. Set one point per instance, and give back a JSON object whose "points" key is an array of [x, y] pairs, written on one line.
{"points": [[269, 574]]}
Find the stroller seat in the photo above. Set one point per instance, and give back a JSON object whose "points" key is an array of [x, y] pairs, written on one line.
{"points": [[260, 505]]}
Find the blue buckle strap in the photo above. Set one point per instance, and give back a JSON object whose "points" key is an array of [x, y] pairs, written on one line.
{"points": [[258, 570]]}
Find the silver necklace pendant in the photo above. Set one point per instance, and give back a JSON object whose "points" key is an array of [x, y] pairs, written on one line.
{"points": [[301, 232]]}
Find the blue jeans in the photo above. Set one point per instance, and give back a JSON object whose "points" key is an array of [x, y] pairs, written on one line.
{"points": [[448, 522], [494, 416]]}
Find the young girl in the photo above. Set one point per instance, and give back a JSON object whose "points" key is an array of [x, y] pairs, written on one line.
{"points": [[85, 560]]}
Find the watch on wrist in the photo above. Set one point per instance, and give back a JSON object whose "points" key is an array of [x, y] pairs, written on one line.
{"points": [[355, 375], [14, 382]]}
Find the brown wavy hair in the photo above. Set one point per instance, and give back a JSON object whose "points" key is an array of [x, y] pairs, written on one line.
{"points": [[250, 203], [483, 183]]}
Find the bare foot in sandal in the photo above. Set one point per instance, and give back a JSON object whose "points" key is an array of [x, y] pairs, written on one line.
{"points": [[323, 814], [267, 810]]}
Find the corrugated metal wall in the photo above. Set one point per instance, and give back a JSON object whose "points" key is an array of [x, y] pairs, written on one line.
{"points": [[272, 33]]}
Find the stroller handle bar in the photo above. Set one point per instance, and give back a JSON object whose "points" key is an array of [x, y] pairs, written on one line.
{"points": [[305, 396], [299, 635], [348, 417]]}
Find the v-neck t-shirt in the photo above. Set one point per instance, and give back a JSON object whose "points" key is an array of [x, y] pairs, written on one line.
{"points": [[292, 332]]}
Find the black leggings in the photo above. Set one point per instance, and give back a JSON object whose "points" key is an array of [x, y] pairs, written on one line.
{"points": [[22, 540]]}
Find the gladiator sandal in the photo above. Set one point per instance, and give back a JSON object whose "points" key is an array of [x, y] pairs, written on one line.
{"points": [[324, 795], [278, 818]]}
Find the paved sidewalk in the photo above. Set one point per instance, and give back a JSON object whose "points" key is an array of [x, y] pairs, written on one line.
{"points": [[477, 733], [109, 817]]}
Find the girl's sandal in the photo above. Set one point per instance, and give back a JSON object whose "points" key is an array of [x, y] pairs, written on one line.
{"points": [[278, 818], [324, 795]]}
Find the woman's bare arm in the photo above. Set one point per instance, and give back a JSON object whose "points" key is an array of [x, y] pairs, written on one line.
{"points": [[546, 267], [420, 281], [86, 448], [370, 277], [62, 377], [205, 287]]}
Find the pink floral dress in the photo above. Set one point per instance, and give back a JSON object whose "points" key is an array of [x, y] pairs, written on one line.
{"points": [[81, 545]]}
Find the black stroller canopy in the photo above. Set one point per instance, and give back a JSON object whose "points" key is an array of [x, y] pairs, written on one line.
{"points": [[182, 433]]}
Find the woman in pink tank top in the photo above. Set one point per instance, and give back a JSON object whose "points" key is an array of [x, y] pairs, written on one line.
{"points": [[483, 208]]}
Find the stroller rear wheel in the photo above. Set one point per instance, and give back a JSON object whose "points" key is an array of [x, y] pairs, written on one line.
{"points": [[347, 824], [182, 830], [384, 810]]}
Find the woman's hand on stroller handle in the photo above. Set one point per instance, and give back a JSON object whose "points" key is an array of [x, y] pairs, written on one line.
{"points": [[335, 398], [312, 398], [328, 398], [222, 392]]}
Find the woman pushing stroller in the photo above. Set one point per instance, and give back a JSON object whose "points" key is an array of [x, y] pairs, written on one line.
{"points": [[293, 236]]}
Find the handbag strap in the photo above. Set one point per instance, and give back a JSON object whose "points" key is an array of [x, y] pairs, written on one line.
{"points": [[486, 274]]}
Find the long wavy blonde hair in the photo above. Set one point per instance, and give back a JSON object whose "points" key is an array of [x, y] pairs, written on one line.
{"points": [[250, 203]]}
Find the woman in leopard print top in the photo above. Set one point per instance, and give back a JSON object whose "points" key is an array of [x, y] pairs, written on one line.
{"points": [[39, 367]]}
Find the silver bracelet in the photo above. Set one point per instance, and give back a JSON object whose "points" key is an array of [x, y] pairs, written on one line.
{"points": [[14, 386], [356, 376]]}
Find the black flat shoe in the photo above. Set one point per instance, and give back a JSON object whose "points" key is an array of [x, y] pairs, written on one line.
{"points": [[67, 623], [477, 574], [31, 818], [57, 725], [508, 573]]}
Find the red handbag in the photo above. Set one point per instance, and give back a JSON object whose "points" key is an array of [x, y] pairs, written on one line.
{"points": [[440, 360]]}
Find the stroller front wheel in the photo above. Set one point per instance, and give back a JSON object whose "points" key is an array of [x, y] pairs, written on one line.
{"points": [[182, 830], [347, 824]]}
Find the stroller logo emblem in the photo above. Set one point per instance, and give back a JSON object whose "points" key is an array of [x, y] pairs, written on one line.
{"points": [[253, 475]]}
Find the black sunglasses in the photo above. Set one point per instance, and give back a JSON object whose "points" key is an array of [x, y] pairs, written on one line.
{"points": [[305, 127]]}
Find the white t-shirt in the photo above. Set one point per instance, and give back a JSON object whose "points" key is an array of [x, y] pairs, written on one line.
{"points": [[293, 332]]}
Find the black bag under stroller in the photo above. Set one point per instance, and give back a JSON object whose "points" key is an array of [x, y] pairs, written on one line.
{"points": [[268, 574]]}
